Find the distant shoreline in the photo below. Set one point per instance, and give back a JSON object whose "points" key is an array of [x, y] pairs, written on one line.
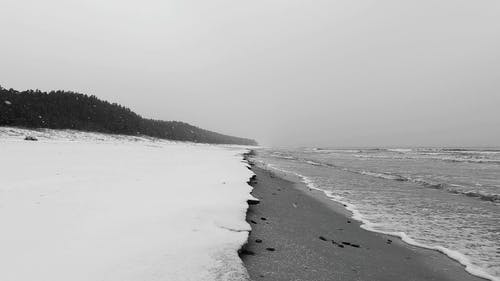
{"points": [[300, 225], [35, 109]]}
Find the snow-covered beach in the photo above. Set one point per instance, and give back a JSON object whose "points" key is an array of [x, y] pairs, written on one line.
{"points": [[85, 206]]}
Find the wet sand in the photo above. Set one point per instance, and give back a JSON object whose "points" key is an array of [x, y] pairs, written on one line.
{"points": [[300, 234]]}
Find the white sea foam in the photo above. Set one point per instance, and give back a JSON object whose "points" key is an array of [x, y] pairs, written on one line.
{"points": [[400, 150], [336, 150], [313, 163], [281, 155], [383, 175]]}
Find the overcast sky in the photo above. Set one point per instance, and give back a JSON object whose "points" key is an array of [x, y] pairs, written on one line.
{"points": [[312, 72]]}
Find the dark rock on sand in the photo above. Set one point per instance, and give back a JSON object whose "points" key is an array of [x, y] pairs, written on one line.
{"points": [[351, 244], [271, 249], [263, 218], [253, 201], [258, 240], [252, 181], [337, 244], [252, 221], [323, 238], [30, 138], [245, 252]]}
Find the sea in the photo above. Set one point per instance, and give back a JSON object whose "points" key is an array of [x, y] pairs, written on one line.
{"points": [[447, 199]]}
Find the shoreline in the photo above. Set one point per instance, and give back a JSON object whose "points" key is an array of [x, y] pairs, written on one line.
{"points": [[305, 235], [350, 211]]}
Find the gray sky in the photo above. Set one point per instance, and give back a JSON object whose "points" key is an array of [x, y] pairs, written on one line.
{"points": [[328, 73]]}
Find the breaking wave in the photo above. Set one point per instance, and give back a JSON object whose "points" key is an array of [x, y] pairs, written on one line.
{"points": [[452, 188]]}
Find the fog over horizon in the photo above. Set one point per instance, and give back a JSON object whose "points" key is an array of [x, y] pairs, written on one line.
{"points": [[286, 73]]}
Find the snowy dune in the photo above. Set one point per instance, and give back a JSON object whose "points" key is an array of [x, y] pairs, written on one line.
{"points": [[82, 206]]}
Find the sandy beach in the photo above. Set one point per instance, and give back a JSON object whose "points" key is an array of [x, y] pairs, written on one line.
{"points": [[300, 234]]}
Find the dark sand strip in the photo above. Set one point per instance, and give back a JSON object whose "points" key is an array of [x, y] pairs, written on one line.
{"points": [[292, 233]]}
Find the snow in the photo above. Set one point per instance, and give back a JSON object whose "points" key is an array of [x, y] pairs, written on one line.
{"points": [[82, 206]]}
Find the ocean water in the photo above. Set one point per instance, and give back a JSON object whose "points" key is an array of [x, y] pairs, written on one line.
{"points": [[443, 199]]}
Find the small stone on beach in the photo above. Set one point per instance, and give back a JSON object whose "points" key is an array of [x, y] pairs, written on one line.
{"points": [[258, 240], [253, 201], [246, 252], [263, 218], [271, 249]]}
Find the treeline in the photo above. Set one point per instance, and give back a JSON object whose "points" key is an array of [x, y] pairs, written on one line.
{"points": [[69, 110]]}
